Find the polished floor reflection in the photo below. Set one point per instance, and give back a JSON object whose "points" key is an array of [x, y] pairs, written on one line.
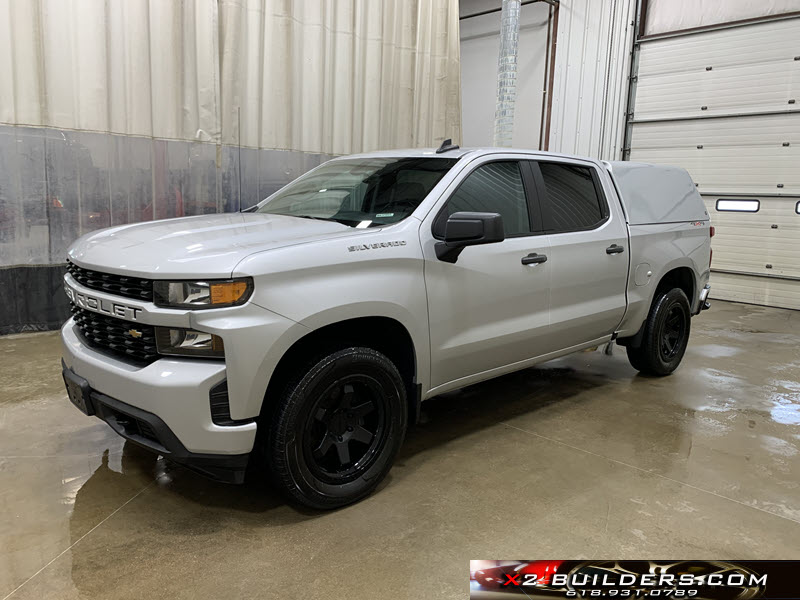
{"points": [[578, 458]]}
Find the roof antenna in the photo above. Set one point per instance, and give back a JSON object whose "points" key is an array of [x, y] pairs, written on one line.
{"points": [[447, 145]]}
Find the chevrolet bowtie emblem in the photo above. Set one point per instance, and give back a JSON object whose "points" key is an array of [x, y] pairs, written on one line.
{"points": [[134, 333]]}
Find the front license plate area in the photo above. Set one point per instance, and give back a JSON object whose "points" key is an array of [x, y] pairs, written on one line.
{"points": [[78, 391]]}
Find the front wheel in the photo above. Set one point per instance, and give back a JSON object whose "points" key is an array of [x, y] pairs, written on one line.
{"points": [[338, 427], [666, 335]]}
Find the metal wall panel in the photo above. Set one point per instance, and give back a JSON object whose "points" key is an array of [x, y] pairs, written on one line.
{"points": [[591, 77]]}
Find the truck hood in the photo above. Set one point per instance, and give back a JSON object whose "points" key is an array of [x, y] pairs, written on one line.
{"points": [[206, 245]]}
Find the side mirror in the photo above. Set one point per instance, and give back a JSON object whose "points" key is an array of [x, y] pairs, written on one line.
{"points": [[469, 229]]}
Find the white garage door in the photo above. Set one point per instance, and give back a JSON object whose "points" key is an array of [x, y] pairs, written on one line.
{"points": [[725, 105]]}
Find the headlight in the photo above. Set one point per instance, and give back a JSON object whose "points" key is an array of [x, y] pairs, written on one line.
{"points": [[202, 294], [187, 342]]}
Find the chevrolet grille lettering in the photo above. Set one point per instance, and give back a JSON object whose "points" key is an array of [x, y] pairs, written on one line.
{"points": [[99, 305]]}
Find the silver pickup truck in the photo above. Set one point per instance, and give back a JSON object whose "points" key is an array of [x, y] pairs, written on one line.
{"points": [[298, 338]]}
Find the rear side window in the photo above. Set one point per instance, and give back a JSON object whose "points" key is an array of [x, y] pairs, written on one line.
{"points": [[494, 187], [573, 198]]}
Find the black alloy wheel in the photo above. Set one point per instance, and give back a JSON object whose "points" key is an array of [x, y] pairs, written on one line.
{"points": [[344, 430], [673, 332], [665, 335], [337, 427]]}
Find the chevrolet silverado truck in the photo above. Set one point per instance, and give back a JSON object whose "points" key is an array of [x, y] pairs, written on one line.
{"points": [[296, 340]]}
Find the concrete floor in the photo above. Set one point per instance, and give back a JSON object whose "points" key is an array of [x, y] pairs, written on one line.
{"points": [[579, 458]]}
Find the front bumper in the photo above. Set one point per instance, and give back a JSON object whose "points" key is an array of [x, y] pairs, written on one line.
{"points": [[151, 432], [173, 390]]}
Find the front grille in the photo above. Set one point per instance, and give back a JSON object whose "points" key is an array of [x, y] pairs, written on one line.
{"points": [[119, 285], [116, 335]]}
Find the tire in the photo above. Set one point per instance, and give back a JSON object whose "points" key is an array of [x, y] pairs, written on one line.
{"points": [[666, 334], [337, 428]]}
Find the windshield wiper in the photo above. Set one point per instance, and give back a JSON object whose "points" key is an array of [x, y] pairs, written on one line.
{"points": [[329, 219]]}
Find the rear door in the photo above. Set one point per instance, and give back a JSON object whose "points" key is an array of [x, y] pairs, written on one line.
{"points": [[488, 309], [589, 252]]}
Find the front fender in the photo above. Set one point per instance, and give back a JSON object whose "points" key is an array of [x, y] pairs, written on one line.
{"points": [[323, 283]]}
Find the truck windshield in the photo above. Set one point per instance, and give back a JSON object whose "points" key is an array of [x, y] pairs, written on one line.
{"points": [[364, 192]]}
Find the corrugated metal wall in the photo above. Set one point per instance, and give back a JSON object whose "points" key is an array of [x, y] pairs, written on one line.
{"points": [[591, 77]]}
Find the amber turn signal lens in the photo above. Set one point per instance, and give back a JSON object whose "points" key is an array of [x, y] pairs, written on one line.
{"points": [[228, 292]]}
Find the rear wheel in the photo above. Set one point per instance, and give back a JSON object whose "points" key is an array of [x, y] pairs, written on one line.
{"points": [[338, 427], [666, 334]]}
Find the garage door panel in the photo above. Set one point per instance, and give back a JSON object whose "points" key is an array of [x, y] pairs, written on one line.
{"points": [[755, 290], [753, 170], [770, 131], [721, 48], [748, 242], [717, 103], [724, 91]]}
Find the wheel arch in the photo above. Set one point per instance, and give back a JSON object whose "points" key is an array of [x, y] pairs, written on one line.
{"points": [[387, 335], [679, 275], [683, 278]]}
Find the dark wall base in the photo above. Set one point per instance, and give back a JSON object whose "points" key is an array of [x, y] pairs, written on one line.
{"points": [[32, 298]]}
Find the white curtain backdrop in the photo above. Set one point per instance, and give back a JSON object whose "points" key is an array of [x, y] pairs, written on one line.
{"points": [[339, 76], [322, 76], [121, 66]]}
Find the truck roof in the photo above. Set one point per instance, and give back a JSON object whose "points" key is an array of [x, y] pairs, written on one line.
{"points": [[459, 152]]}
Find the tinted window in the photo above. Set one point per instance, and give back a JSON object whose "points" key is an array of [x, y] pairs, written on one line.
{"points": [[572, 196], [368, 192], [495, 187]]}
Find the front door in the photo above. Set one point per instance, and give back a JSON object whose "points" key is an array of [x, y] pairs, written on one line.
{"points": [[489, 308]]}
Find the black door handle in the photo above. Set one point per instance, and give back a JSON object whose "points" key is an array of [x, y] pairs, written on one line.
{"points": [[534, 259], [614, 249]]}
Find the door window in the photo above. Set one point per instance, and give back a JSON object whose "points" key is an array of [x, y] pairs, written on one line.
{"points": [[495, 187], [573, 200]]}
